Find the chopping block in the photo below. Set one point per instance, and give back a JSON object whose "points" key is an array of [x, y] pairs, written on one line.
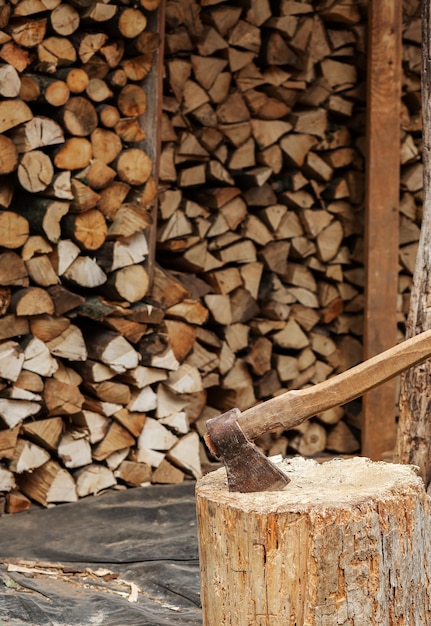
{"points": [[346, 542]]}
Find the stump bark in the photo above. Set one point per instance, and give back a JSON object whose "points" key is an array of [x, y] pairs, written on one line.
{"points": [[347, 542]]}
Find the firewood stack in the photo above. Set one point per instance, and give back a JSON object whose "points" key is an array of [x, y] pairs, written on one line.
{"points": [[104, 381], [263, 173], [79, 368]]}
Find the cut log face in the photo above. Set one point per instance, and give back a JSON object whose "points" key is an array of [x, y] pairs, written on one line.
{"points": [[113, 350], [93, 479], [185, 453], [13, 412], [45, 432], [35, 171], [27, 457], [134, 473], [315, 508], [62, 398], [74, 450], [117, 438], [155, 436], [7, 480], [11, 360]]}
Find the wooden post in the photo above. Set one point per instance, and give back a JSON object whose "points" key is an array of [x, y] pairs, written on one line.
{"points": [[414, 429], [381, 231], [151, 121], [346, 542]]}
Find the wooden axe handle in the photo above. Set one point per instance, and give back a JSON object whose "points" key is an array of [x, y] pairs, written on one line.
{"points": [[293, 407]]}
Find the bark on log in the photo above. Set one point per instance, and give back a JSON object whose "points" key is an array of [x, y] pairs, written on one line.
{"points": [[292, 556], [414, 429]]}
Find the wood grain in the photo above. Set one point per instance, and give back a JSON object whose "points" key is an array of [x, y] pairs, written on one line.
{"points": [[382, 176]]}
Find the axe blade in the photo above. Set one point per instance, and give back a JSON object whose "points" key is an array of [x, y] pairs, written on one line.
{"points": [[247, 468]]}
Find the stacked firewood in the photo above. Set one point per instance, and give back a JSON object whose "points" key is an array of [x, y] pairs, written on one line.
{"points": [[82, 355], [263, 173], [105, 379]]}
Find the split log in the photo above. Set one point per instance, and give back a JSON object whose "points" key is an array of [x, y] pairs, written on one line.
{"points": [[95, 423], [10, 83], [48, 484], [185, 454], [37, 133], [32, 301], [8, 441], [27, 457], [74, 449], [13, 326], [64, 20], [46, 215], [11, 360], [12, 113], [63, 299], [166, 473], [62, 398], [55, 52], [109, 391], [7, 480], [45, 432], [38, 358], [8, 155], [41, 271], [117, 438], [113, 350], [16, 502], [84, 272], [92, 479], [69, 344]]}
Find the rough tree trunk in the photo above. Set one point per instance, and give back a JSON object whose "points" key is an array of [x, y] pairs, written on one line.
{"points": [[346, 542], [414, 429]]}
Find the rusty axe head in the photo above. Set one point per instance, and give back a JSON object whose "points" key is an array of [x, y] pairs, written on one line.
{"points": [[247, 468]]}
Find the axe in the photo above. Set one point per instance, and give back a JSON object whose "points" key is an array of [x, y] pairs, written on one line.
{"points": [[229, 436]]}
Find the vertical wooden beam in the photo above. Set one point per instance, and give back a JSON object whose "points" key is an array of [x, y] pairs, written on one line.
{"points": [[152, 119], [382, 203]]}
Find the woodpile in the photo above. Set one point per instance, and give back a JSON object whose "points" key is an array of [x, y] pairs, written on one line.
{"points": [[82, 356], [107, 373], [261, 214]]}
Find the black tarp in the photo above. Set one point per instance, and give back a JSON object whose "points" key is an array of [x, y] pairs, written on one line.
{"points": [[124, 558]]}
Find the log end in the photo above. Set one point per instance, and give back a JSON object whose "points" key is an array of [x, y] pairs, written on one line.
{"points": [[338, 483]]}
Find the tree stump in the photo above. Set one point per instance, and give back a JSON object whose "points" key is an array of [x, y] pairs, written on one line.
{"points": [[346, 542]]}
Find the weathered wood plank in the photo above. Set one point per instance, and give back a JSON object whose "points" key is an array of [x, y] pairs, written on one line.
{"points": [[384, 90]]}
